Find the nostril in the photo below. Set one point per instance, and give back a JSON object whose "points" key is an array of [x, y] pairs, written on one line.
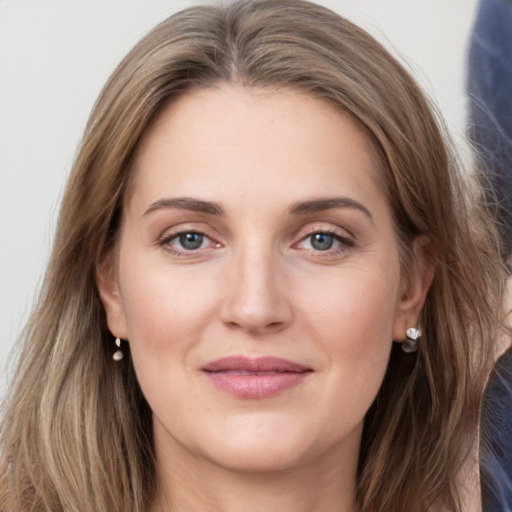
{"points": [[256, 327]]}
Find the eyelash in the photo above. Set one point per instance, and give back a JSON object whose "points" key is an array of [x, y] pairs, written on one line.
{"points": [[345, 243], [166, 243]]}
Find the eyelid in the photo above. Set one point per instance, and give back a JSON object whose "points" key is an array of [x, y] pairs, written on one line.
{"points": [[325, 227], [341, 239]]}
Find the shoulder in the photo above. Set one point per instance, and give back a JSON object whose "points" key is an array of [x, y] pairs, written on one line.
{"points": [[496, 437]]}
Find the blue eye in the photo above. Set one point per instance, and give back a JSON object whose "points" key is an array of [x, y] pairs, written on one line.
{"points": [[321, 241], [324, 241], [187, 243], [190, 241]]}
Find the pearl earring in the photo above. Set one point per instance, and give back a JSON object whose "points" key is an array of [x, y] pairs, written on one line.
{"points": [[410, 344], [118, 354]]}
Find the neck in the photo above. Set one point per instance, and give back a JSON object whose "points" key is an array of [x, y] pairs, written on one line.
{"points": [[322, 485]]}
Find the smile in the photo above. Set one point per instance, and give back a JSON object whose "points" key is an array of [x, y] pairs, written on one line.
{"points": [[257, 378]]}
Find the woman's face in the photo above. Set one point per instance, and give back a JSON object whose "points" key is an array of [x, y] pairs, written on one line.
{"points": [[257, 279]]}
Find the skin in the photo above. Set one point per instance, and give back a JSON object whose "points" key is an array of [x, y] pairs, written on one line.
{"points": [[258, 285]]}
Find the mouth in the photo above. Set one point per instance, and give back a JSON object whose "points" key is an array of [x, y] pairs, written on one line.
{"points": [[260, 377]]}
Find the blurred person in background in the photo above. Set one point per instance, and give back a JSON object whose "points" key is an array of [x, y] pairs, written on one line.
{"points": [[489, 86]]}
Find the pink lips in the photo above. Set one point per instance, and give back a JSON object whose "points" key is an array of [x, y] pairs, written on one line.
{"points": [[260, 377]]}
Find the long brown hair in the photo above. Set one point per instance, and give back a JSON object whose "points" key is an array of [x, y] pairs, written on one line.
{"points": [[77, 432]]}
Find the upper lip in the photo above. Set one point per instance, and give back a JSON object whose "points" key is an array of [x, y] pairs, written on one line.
{"points": [[254, 365]]}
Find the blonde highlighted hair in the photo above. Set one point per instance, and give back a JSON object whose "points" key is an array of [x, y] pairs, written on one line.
{"points": [[77, 433]]}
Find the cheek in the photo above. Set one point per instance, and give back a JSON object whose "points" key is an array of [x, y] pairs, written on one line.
{"points": [[352, 318], [166, 311], [165, 316], [356, 308]]}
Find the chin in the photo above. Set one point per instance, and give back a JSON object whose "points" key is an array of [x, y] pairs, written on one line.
{"points": [[266, 446], [255, 457]]}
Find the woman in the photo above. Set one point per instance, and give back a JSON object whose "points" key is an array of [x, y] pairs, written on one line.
{"points": [[262, 203]]}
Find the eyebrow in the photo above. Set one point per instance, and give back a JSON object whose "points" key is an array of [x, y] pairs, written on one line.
{"points": [[300, 208], [186, 203], [318, 205]]}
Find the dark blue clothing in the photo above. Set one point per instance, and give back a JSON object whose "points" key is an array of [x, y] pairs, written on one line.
{"points": [[489, 87], [496, 439], [490, 127]]}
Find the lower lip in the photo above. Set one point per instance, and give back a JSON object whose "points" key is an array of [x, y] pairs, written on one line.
{"points": [[254, 385]]}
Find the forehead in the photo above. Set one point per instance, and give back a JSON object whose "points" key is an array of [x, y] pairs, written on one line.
{"points": [[216, 134]]}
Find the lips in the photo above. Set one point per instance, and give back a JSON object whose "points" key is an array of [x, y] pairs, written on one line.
{"points": [[255, 377]]}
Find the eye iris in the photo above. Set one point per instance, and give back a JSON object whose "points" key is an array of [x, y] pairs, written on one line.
{"points": [[191, 241], [321, 241]]}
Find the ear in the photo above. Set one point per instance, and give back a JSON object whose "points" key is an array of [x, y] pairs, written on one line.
{"points": [[415, 284], [108, 288]]}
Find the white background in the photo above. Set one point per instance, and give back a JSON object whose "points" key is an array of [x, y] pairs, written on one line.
{"points": [[55, 55]]}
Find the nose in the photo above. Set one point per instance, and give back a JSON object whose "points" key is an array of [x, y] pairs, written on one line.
{"points": [[255, 297]]}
